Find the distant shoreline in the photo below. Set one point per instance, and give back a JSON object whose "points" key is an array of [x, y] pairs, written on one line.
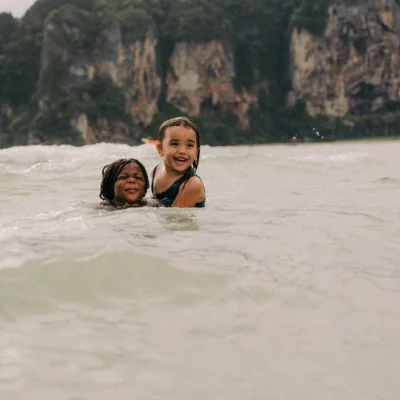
{"points": [[371, 139], [344, 140], [339, 141]]}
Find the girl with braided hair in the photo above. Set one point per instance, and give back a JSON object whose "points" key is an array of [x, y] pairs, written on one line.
{"points": [[125, 183], [175, 182]]}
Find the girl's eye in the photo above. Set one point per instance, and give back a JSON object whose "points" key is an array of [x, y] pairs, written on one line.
{"points": [[139, 177], [173, 143], [190, 145], [121, 177]]}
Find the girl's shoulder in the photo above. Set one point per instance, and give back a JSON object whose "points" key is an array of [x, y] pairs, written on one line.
{"points": [[193, 183], [195, 179]]}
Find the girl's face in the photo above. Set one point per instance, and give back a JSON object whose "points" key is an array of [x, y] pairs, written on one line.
{"points": [[179, 148], [130, 184]]}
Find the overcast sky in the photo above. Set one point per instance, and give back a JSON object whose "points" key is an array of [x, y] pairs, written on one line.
{"points": [[16, 7]]}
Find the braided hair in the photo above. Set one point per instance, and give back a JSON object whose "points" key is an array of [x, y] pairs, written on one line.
{"points": [[110, 174], [182, 121]]}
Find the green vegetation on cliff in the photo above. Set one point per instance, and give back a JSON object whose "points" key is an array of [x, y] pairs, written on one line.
{"points": [[37, 96]]}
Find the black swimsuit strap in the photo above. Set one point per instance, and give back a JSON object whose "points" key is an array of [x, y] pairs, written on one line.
{"points": [[152, 178]]}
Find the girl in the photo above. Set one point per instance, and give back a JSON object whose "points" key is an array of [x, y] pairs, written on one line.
{"points": [[125, 183], [175, 183]]}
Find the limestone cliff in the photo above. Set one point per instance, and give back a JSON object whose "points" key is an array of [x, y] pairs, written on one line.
{"points": [[84, 71], [130, 64], [354, 68], [204, 73], [103, 130], [198, 74]]}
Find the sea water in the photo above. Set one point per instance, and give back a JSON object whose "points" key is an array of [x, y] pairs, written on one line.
{"points": [[286, 286]]}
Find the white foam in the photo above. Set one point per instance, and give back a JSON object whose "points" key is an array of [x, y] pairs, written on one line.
{"points": [[341, 158]]}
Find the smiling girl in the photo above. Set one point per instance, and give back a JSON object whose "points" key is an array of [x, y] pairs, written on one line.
{"points": [[175, 183], [125, 183]]}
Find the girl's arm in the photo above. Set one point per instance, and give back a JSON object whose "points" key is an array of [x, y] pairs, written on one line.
{"points": [[191, 193]]}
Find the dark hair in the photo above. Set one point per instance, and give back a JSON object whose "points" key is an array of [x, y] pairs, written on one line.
{"points": [[110, 173], [182, 121]]}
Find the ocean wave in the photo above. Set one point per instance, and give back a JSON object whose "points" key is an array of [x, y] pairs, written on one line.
{"points": [[387, 180], [37, 155], [341, 158], [61, 157], [94, 278]]}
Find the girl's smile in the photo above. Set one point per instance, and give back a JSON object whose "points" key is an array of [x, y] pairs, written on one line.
{"points": [[130, 185], [179, 148]]}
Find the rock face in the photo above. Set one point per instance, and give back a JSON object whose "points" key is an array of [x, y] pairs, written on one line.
{"points": [[103, 130], [130, 64], [354, 68], [137, 76], [198, 74], [204, 73]]}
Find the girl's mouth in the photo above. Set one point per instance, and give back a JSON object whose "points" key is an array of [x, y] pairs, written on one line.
{"points": [[180, 160]]}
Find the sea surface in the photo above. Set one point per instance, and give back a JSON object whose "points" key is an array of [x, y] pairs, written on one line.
{"points": [[285, 287]]}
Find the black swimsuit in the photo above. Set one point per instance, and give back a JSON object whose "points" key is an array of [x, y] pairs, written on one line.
{"points": [[167, 197]]}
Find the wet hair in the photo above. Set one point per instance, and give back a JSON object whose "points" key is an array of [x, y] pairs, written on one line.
{"points": [[182, 121], [110, 174]]}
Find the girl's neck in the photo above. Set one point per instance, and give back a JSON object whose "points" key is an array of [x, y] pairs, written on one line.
{"points": [[169, 172]]}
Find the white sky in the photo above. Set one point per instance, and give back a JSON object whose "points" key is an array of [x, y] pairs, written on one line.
{"points": [[16, 7]]}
